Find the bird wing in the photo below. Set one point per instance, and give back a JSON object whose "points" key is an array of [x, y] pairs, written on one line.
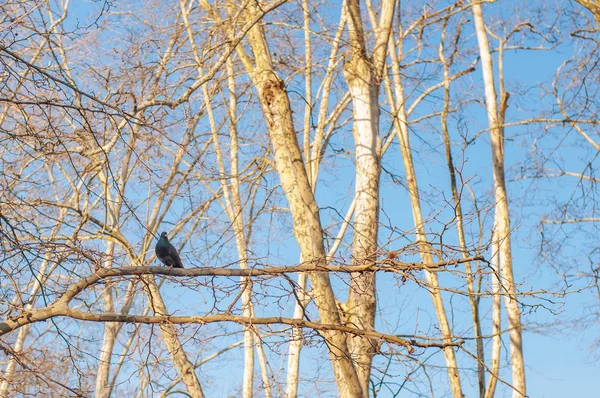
{"points": [[175, 256]]}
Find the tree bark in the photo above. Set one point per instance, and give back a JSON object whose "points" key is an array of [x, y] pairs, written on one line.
{"points": [[502, 223], [305, 213], [458, 213], [110, 336], [593, 6], [401, 128], [363, 77]]}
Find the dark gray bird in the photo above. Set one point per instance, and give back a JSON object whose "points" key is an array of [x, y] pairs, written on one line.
{"points": [[166, 252]]}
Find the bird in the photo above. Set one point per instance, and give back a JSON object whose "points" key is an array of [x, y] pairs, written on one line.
{"points": [[166, 252]]}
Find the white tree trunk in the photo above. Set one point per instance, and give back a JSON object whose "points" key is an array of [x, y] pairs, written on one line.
{"points": [[20, 341], [432, 280], [110, 335], [363, 77], [361, 305], [502, 216], [496, 318], [304, 209], [296, 341]]}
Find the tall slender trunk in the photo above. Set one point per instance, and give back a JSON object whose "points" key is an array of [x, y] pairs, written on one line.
{"points": [[361, 305], [458, 213], [296, 341], [401, 128], [313, 163], [496, 319], [305, 213], [495, 119], [363, 77], [110, 334]]}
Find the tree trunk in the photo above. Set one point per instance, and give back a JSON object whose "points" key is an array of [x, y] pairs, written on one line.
{"points": [[169, 334], [502, 216], [401, 128], [460, 229], [363, 77], [110, 335], [361, 305], [304, 209]]}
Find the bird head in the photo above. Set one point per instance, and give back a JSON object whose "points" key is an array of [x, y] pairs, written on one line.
{"points": [[164, 235]]}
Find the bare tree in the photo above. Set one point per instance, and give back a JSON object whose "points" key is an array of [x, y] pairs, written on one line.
{"points": [[316, 164], [495, 114]]}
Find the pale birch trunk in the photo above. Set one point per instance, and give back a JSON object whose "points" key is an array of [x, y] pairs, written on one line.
{"points": [[110, 334], [473, 301], [296, 341], [312, 156], [501, 207], [401, 128], [363, 77], [304, 209], [496, 319]]}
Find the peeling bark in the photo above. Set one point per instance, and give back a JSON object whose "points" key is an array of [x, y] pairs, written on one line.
{"points": [[305, 213], [363, 77], [361, 305]]}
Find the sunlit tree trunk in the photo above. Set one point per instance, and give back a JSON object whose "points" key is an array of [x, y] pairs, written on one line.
{"points": [[458, 212], [303, 207], [34, 295], [496, 320], [363, 76], [401, 129], [110, 335], [502, 224]]}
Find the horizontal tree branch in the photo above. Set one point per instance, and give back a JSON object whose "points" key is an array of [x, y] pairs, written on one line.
{"points": [[385, 265], [571, 220], [62, 310]]}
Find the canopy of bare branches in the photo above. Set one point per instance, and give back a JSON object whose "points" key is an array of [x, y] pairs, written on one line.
{"points": [[370, 198]]}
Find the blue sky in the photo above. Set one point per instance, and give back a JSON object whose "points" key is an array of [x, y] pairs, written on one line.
{"points": [[560, 357]]}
